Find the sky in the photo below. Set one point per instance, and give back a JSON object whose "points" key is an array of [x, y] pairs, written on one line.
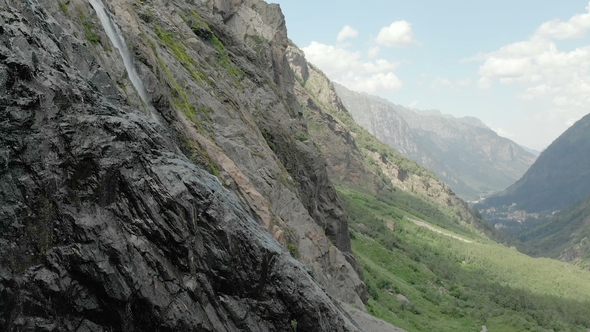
{"points": [[521, 66]]}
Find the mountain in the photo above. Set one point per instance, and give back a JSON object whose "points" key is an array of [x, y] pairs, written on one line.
{"points": [[533, 151], [471, 158], [557, 179], [152, 176], [427, 260], [179, 166], [564, 235], [357, 159]]}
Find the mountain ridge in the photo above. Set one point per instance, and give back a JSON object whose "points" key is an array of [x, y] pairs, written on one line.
{"points": [[557, 179], [464, 152]]}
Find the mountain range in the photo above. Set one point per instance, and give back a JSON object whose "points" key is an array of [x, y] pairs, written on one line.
{"points": [[467, 155], [558, 178], [548, 209], [180, 166]]}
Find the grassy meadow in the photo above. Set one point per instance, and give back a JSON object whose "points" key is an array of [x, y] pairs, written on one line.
{"points": [[457, 285]]}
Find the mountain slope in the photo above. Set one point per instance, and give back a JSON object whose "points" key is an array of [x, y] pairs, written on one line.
{"points": [[558, 178], [356, 158], [466, 154], [419, 279], [563, 236], [180, 209]]}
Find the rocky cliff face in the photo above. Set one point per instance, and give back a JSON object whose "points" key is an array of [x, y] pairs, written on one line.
{"points": [[175, 214], [464, 153], [355, 157]]}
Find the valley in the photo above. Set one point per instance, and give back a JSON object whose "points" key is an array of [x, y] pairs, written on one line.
{"points": [[182, 166]]}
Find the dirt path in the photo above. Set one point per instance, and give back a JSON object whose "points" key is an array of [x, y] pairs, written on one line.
{"points": [[434, 229]]}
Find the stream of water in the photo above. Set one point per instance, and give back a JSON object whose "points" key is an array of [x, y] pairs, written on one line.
{"points": [[114, 34]]}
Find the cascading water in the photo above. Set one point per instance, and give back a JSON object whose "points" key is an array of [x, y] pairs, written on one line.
{"points": [[118, 41]]}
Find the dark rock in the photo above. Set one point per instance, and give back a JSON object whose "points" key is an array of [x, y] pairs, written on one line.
{"points": [[106, 226]]}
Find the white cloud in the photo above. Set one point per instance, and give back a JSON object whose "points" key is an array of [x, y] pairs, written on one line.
{"points": [[440, 82], [484, 83], [560, 80], [372, 83], [505, 67], [574, 28], [503, 133], [346, 32], [399, 33], [413, 104], [349, 69], [465, 82], [373, 51]]}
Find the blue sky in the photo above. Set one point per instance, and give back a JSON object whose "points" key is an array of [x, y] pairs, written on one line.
{"points": [[522, 67]]}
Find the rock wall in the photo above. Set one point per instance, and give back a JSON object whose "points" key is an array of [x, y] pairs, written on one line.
{"points": [[114, 219]]}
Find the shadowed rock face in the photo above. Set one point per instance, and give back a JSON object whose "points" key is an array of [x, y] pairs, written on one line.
{"points": [[106, 225]]}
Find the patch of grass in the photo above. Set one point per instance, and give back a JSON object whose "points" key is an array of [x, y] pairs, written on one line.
{"points": [[89, 29], [179, 96], [225, 62], [180, 53], [256, 42], [302, 137], [457, 286], [204, 32], [64, 8], [293, 250]]}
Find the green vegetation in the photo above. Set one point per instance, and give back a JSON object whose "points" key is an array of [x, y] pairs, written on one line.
{"points": [[64, 8], [180, 53], [293, 250], [89, 29], [302, 137], [203, 31], [256, 42], [397, 203], [179, 95], [565, 232], [457, 285], [366, 141], [225, 62]]}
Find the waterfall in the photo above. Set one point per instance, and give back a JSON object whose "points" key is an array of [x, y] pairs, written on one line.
{"points": [[118, 41]]}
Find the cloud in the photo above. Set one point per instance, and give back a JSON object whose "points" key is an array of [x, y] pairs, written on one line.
{"points": [[574, 28], [373, 51], [441, 82], [349, 69], [465, 82], [399, 33], [484, 83], [503, 133], [560, 80], [346, 32], [413, 104], [505, 67]]}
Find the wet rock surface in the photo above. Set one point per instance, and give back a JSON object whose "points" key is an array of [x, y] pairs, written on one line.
{"points": [[106, 225]]}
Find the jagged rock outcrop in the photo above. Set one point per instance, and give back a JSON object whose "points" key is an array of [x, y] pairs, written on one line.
{"points": [[109, 217]]}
